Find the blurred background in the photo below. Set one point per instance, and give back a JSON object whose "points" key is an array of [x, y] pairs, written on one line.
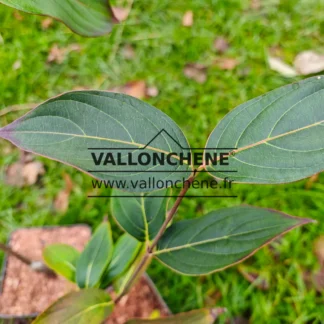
{"points": [[195, 60]]}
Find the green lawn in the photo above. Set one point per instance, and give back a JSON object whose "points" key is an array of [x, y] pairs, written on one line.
{"points": [[162, 49]]}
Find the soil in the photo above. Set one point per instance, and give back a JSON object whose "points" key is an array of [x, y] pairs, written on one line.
{"points": [[26, 292], [141, 302]]}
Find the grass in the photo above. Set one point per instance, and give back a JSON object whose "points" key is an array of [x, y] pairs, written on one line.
{"points": [[162, 48]]}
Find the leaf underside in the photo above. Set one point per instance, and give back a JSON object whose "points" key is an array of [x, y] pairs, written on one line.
{"points": [[279, 137], [72, 127], [221, 238], [81, 307], [85, 17], [141, 217]]}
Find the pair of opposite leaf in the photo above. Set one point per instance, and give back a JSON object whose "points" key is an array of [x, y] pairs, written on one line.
{"points": [[272, 139], [99, 263], [192, 247], [85, 17]]}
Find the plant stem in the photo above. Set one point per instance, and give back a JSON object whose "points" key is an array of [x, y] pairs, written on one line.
{"points": [[119, 32], [134, 276], [151, 247], [20, 257], [171, 212], [17, 108], [37, 266]]}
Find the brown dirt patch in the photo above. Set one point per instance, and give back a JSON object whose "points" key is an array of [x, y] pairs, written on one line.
{"points": [[139, 303], [27, 292]]}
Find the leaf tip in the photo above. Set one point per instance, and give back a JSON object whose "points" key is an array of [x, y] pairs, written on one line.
{"points": [[309, 220], [305, 221], [298, 221]]}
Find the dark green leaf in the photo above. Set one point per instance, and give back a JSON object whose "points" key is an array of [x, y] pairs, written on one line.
{"points": [[95, 258], [125, 252], [221, 238], [85, 17], [82, 128], [141, 217], [279, 137], [80, 307], [62, 259], [199, 316]]}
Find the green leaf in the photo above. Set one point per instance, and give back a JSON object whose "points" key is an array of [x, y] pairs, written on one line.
{"points": [[125, 252], [199, 316], [139, 215], [62, 259], [80, 307], [279, 137], [82, 128], [85, 17], [95, 258], [221, 238], [121, 282]]}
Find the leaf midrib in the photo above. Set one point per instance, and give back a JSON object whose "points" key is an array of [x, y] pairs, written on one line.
{"points": [[69, 265], [147, 236], [141, 146], [266, 140], [189, 245], [90, 266], [88, 309]]}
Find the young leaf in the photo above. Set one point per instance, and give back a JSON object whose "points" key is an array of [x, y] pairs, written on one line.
{"points": [[125, 252], [199, 316], [221, 238], [85, 17], [95, 258], [121, 282], [80, 307], [141, 217], [62, 259], [99, 132], [278, 137]]}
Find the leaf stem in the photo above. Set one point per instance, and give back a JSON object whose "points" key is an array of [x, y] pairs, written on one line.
{"points": [[172, 212], [152, 246], [119, 31]]}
